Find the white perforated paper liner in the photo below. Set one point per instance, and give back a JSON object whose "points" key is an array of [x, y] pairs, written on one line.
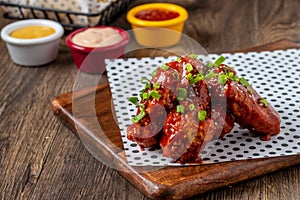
{"points": [[275, 75]]}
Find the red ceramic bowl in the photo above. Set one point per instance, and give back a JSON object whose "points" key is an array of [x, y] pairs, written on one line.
{"points": [[92, 60]]}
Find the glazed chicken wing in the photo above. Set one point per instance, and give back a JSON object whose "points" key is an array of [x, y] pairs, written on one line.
{"points": [[188, 104]]}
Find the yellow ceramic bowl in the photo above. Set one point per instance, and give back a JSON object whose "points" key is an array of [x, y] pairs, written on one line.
{"points": [[162, 33]]}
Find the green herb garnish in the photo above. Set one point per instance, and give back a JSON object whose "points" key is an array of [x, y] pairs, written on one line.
{"points": [[232, 77], [165, 67], [222, 78], [244, 82], [148, 86], [139, 116], [189, 67], [189, 76], [202, 115], [145, 95], [264, 102], [209, 65], [145, 81], [180, 108], [191, 107], [195, 80], [210, 75], [182, 93], [219, 61], [133, 100], [156, 85], [201, 73], [155, 94], [193, 56]]}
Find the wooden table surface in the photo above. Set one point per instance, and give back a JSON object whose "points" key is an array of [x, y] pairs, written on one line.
{"points": [[41, 159]]}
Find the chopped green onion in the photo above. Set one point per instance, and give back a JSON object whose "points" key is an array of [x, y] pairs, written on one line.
{"points": [[191, 107], [165, 67], [209, 65], [232, 77], [244, 82], [189, 67], [178, 59], [228, 69], [145, 80], [210, 75], [141, 105], [176, 75], [202, 115], [264, 102], [201, 73], [154, 72], [145, 95], [219, 61], [133, 100], [222, 78], [139, 116], [156, 85], [196, 79], [182, 93], [225, 69], [155, 94], [148, 86], [180, 109], [189, 76], [193, 56], [250, 91]]}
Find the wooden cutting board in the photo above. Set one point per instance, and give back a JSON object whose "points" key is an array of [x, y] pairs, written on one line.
{"points": [[168, 182]]}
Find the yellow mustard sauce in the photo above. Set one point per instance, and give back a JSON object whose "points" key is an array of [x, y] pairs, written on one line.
{"points": [[32, 32]]}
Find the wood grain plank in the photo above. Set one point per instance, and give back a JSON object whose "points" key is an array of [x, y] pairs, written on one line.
{"points": [[72, 173], [25, 137], [279, 186], [282, 21], [214, 24]]}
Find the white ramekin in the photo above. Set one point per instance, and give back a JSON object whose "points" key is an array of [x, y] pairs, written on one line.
{"points": [[32, 52]]}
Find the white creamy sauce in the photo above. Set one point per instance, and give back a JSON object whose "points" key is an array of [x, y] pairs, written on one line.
{"points": [[97, 37]]}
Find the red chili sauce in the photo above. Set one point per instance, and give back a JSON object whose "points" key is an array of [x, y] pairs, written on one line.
{"points": [[156, 14]]}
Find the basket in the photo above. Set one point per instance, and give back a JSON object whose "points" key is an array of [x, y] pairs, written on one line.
{"points": [[65, 17]]}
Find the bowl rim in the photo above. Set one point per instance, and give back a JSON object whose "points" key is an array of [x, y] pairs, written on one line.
{"points": [[183, 15], [125, 39], [59, 31]]}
